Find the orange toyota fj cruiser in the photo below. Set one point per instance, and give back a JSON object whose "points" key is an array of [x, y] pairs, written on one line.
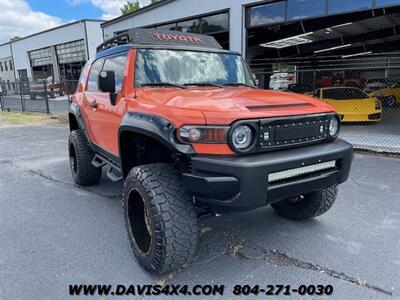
{"points": [[181, 121]]}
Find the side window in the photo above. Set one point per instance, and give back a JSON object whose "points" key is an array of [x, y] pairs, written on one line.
{"points": [[316, 93], [116, 64], [93, 79]]}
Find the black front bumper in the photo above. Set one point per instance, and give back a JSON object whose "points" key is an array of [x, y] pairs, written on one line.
{"points": [[241, 182]]}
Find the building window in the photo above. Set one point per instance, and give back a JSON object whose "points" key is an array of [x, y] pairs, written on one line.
{"points": [[300, 9], [215, 23], [1, 66], [71, 52], [5, 66], [188, 26], [167, 26], [206, 24], [268, 13], [338, 6], [41, 57], [11, 65], [116, 64]]}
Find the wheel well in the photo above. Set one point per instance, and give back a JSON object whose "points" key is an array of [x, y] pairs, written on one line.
{"points": [[73, 123], [139, 149]]}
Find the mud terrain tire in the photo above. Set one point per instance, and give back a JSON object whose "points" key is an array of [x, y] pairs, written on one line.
{"points": [[80, 158], [307, 206], [160, 217]]}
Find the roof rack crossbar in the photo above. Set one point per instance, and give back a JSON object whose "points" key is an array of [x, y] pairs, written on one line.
{"points": [[119, 39]]}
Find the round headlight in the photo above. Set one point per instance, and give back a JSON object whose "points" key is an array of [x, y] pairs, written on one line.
{"points": [[242, 137], [334, 127]]}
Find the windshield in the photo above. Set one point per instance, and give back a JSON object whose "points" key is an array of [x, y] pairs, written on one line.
{"points": [[344, 94], [180, 67]]}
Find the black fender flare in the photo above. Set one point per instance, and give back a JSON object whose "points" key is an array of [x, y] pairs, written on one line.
{"points": [[75, 110], [155, 127]]}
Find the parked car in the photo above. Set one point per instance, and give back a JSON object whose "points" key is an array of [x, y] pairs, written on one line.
{"points": [[357, 82], [300, 88], [182, 122], [352, 104], [388, 96], [374, 84]]}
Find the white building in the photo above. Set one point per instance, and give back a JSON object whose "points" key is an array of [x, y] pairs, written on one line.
{"points": [[7, 71], [58, 53]]}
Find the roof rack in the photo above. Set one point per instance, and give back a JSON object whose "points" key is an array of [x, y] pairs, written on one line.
{"points": [[119, 39], [159, 37]]}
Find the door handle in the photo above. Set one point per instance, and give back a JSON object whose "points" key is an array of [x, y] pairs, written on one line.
{"points": [[93, 104]]}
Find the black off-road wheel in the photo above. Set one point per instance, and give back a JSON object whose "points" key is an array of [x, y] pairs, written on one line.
{"points": [[160, 218], [306, 206], [80, 160]]}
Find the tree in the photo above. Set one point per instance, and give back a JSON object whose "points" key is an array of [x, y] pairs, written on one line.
{"points": [[154, 1], [130, 6]]}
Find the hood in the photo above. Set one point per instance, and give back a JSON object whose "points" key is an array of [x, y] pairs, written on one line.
{"points": [[219, 105]]}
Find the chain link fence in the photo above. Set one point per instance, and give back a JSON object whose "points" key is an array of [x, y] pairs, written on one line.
{"points": [[40, 96], [364, 91]]}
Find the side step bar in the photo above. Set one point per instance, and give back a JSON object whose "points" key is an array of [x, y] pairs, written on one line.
{"points": [[113, 171]]}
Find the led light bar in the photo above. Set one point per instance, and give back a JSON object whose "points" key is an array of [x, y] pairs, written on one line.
{"points": [[357, 54], [287, 174], [341, 25], [332, 48], [290, 41]]}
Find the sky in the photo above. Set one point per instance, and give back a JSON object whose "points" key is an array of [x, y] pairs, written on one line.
{"points": [[25, 17]]}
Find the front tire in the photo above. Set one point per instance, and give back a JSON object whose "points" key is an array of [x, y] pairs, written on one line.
{"points": [[307, 206], [160, 217], [80, 159]]}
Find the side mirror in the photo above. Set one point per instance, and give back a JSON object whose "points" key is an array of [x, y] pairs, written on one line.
{"points": [[107, 84]]}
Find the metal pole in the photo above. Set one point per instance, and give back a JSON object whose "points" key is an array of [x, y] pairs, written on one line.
{"points": [[22, 98], [46, 98], [314, 79]]}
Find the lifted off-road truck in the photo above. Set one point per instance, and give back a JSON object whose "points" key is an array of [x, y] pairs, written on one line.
{"points": [[182, 122]]}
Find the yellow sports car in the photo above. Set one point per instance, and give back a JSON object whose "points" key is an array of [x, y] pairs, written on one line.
{"points": [[388, 96], [352, 104]]}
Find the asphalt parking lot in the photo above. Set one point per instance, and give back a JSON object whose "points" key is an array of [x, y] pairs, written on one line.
{"points": [[53, 233]]}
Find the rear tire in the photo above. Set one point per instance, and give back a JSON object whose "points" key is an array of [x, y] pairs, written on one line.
{"points": [[391, 101], [160, 217], [307, 206], [80, 158]]}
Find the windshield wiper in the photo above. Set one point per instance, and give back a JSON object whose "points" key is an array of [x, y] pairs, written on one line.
{"points": [[204, 84], [238, 84], [163, 84]]}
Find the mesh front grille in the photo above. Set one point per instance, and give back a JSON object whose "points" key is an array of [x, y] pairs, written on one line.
{"points": [[292, 131]]}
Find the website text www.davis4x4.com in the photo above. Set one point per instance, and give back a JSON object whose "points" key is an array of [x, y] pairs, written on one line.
{"points": [[199, 290]]}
